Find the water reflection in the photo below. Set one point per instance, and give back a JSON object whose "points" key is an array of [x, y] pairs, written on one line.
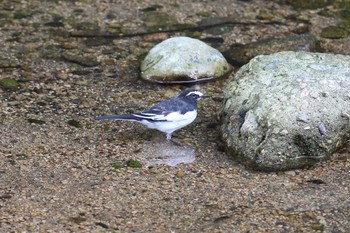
{"points": [[165, 152]]}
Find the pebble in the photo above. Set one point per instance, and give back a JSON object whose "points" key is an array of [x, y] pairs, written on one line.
{"points": [[180, 174]]}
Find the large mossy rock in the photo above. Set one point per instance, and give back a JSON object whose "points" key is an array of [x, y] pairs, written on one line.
{"points": [[288, 110]]}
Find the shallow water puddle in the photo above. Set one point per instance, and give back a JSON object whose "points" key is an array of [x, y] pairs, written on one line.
{"points": [[166, 153]]}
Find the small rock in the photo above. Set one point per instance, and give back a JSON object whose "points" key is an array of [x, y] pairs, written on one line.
{"points": [[322, 128], [183, 60], [88, 61], [108, 178], [180, 174], [317, 227], [78, 219], [62, 75], [290, 173], [75, 123], [6, 196], [69, 45], [310, 214]]}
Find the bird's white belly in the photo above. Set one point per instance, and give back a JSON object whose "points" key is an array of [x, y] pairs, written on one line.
{"points": [[174, 121]]}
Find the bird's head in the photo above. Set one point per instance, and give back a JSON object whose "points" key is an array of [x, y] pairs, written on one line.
{"points": [[192, 94]]}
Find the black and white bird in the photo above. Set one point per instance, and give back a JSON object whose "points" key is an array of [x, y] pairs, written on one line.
{"points": [[167, 116]]}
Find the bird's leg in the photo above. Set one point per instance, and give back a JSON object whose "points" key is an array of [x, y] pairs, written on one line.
{"points": [[168, 137]]}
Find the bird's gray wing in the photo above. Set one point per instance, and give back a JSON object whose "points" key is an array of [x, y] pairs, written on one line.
{"points": [[159, 111]]}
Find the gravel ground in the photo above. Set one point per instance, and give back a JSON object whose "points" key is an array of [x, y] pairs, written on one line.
{"points": [[62, 171]]}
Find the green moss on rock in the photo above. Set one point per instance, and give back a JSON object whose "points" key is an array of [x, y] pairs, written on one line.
{"points": [[204, 14], [22, 14], [8, 83], [334, 32], [117, 165], [138, 96], [134, 163]]}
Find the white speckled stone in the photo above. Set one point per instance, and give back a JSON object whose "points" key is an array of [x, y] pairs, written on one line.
{"points": [[183, 60], [304, 94]]}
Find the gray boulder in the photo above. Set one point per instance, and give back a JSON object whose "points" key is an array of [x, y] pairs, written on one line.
{"points": [[183, 60], [288, 110]]}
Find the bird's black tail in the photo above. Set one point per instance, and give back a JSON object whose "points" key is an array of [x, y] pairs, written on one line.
{"points": [[118, 117]]}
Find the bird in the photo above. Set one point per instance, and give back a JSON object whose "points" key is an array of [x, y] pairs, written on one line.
{"points": [[167, 116]]}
